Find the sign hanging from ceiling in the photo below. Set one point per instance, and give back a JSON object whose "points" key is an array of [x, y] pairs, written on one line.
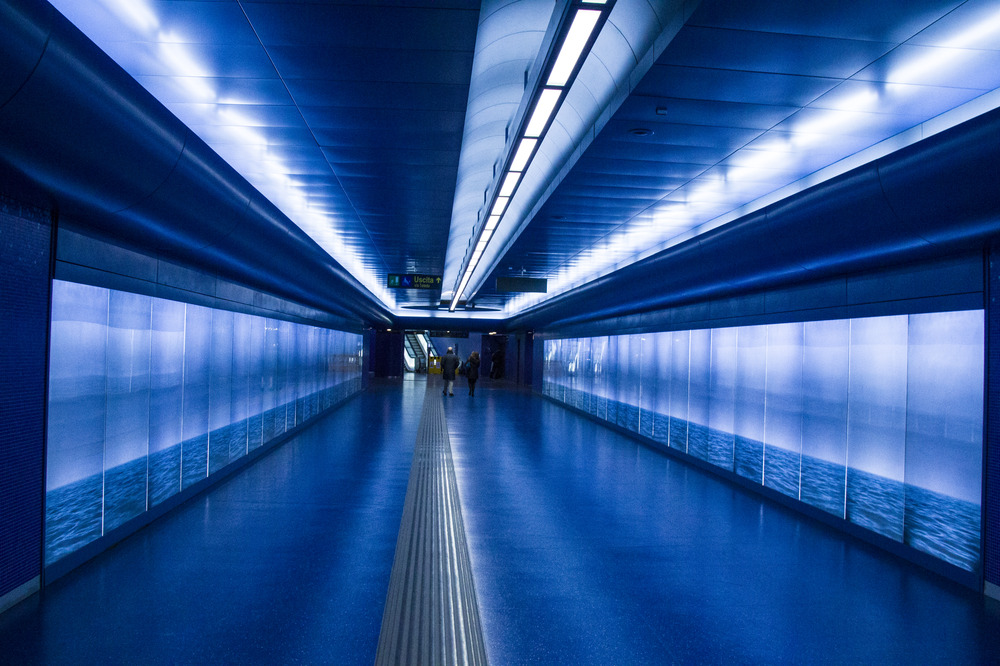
{"points": [[413, 281], [508, 285]]}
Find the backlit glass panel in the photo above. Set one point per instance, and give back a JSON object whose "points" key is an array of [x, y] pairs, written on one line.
{"points": [[146, 396], [876, 420]]}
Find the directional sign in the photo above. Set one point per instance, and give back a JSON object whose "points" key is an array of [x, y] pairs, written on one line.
{"points": [[413, 281], [507, 285]]}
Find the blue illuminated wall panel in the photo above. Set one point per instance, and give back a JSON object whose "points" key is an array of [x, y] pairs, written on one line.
{"points": [[748, 402], [74, 502], [126, 433], [876, 432], [875, 420], [678, 379], [825, 378], [148, 396], [166, 399]]}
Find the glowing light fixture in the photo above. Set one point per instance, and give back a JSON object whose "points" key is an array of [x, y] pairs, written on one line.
{"points": [[499, 205], [523, 154], [584, 22], [570, 42], [546, 104], [509, 183]]}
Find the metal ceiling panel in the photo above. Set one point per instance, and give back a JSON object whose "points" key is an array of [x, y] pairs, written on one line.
{"points": [[641, 110], [966, 68], [684, 170], [366, 26], [200, 60], [377, 95], [339, 63], [618, 137], [767, 52], [176, 90], [347, 156], [978, 17], [733, 85], [884, 21]]}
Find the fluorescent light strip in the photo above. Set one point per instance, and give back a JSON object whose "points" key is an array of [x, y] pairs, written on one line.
{"points": [[461, 287], [499, 205], [572, 47], [523, 154], [509, 183], [580, 30], [544, 107]]}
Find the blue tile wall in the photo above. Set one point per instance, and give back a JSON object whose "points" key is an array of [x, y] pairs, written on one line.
{"points": [[991, 527], [149, 396], [876, 420], [25, 248]]}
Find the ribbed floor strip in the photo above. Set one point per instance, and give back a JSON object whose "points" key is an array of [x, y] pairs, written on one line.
{"points": [[431, 615]]}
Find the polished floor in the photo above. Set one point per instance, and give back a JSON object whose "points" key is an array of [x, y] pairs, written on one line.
{"points": [[586, 548]]}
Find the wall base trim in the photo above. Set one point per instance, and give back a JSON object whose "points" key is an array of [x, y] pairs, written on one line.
{"points": [[20, 593]]}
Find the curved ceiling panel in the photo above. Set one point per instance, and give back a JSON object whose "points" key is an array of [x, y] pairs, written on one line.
{"points": [[958, 196], [27, 29], [934, 197], [69, 126], [114, 160], [510, 35], [635, 32]]}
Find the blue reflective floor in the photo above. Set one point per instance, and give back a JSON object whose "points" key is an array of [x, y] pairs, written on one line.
{"points": [[287, 561], [586, 547]]}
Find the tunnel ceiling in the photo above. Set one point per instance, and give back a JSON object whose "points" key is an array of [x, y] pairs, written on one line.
{"points": [[369, 123]]}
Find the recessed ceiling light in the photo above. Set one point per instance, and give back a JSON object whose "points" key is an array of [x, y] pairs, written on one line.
{"points": [[641, 131]]}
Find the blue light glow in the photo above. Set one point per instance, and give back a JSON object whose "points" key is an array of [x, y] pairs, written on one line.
{"points": [[148, 396], [875, 420]]}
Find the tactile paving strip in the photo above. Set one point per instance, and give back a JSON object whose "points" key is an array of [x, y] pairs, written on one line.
{"points": [[431, 615]]}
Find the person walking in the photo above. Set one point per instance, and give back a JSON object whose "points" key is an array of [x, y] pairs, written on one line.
{"points": [[472, 371], [449, 364]]}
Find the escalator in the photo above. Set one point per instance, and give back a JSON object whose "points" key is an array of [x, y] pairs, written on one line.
{"points": [[414, 358], [419, 349]]}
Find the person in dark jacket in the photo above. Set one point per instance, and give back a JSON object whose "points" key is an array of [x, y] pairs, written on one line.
{"points": [[496, 364], [472, 371], [449, 364]]}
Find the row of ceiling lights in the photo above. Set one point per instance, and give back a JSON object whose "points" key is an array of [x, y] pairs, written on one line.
{"points": [[575, 36]]}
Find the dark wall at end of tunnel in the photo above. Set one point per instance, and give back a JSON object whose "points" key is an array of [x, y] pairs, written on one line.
{"points": [[387, 354], [25, 269]]}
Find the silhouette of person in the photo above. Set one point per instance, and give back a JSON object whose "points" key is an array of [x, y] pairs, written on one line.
{"points": [[449, 364], [472, 371]]}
